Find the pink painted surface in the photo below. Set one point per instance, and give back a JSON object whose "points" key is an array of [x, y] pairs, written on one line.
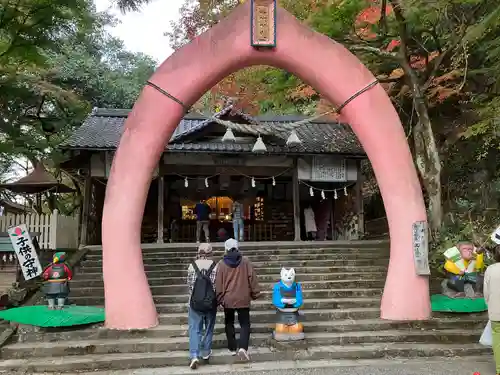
{"points": [[187, 75]]}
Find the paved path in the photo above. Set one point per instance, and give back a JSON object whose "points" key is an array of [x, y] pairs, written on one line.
{"points": [[439, 366]]}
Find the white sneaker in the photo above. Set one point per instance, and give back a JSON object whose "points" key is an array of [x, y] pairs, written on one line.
{"points": [[243, 354], [233, 352], [194, 363], [207, 357]]}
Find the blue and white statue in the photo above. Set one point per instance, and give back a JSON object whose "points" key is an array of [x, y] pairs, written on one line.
{"points": [[287, 298]]}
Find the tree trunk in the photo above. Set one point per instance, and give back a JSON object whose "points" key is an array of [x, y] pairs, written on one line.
{"points": [[426, 154]]}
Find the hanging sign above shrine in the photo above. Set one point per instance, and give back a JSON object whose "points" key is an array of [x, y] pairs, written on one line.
{"points": [[328, 169], [263, 23]]}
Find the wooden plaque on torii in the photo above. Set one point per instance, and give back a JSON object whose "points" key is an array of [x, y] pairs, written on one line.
{"points": [[263, 23]]}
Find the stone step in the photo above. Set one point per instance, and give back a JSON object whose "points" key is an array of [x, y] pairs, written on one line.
{"points": [[72, 364], [181, 330], [181, 271], [182, 288], [266, 316], [154, 345], [257, 246], [93, 262], [175, 253], [98, 300], [320, 303], [391, 365], [267, 264], [83, 280]]}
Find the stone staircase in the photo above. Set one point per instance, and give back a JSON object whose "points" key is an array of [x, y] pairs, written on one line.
{"points": [[342, 286]]}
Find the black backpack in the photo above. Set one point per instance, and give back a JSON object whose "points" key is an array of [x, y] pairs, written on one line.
{"points": [[203, 298]]}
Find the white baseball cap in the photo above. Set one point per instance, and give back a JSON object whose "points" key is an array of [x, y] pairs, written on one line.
{"points": [[230, 244]]}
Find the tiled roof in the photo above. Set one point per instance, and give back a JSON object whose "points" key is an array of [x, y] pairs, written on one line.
{"points": [[103, 129]]}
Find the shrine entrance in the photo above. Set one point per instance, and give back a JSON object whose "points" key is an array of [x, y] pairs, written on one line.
{"points": [[275, 38]]}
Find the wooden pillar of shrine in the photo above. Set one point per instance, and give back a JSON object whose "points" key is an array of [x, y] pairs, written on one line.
{"points": [[360, 210], [87, 197], [296, 202], [161, 208]]}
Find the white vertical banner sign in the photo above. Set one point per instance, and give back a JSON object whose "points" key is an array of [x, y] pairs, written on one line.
{"points": [[495, 236], [25, 251], [421, 248]]}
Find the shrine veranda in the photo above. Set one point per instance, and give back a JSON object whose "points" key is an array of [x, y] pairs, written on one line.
{"points": [[328, 159]]}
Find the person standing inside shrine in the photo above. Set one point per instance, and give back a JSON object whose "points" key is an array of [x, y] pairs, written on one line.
{"points": [[236, 285], [310, 223], [202, 211], [491, 291], [238, 224]]}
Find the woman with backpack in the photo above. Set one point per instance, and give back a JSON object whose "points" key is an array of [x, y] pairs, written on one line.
{"points": [[202, 305]]}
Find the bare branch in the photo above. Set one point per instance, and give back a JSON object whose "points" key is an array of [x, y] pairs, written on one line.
{"points": [[439, 59], [383, 19], [466, 68], [373, 50]]}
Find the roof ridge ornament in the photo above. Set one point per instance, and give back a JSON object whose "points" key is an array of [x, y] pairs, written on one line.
{"points": [[263, 23]]}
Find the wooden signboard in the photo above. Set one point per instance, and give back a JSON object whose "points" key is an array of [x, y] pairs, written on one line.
{"points": [[25, 251], [326, 169], [421, 248], [263, 27]]}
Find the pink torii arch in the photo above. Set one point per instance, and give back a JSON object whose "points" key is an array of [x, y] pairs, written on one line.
{"points": [[187, 75]]}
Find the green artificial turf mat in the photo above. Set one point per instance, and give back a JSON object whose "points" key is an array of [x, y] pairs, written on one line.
{"points": [[42, 316], [442, 303]]}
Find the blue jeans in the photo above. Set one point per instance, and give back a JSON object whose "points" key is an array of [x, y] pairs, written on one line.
{"points": [[238, 229], [200, 341]]}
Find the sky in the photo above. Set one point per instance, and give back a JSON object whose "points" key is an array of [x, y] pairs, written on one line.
{"points": [[143, 31]]}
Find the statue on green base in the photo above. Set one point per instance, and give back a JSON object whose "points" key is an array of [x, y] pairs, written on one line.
{"points": [[463, 265], [56, 285]]}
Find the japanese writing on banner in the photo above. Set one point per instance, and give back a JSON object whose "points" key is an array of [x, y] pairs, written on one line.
{"points": [[25, 251], [421, 248]]}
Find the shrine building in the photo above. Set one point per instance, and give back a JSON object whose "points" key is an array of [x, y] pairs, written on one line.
{"points": [[275, 185]]}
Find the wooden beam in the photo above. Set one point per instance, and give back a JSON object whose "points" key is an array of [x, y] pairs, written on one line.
{"points": [[161, 207], [296, 202], [360, 210], [87, 196]]}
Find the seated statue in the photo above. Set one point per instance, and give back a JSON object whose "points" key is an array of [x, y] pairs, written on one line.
{"points": [[463, 267], [287, 298], [56, 286]]}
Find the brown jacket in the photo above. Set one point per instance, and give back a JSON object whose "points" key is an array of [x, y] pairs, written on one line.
{"points": [[236, 286]]}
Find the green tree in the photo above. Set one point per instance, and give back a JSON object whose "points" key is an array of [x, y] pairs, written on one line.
{"points": [[57, 62]]}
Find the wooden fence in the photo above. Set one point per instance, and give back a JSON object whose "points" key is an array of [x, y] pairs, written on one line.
{"points": [[56, 231]]}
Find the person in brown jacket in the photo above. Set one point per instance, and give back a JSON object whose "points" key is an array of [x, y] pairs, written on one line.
{"points": [[236, 286]]}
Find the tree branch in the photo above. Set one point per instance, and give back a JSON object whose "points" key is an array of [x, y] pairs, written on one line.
{"points": [[376, 51], [439, 59], [390, 80], [383, 19]]}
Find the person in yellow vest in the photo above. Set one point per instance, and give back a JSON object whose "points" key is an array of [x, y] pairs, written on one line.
{"points": [[463, 265]]}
